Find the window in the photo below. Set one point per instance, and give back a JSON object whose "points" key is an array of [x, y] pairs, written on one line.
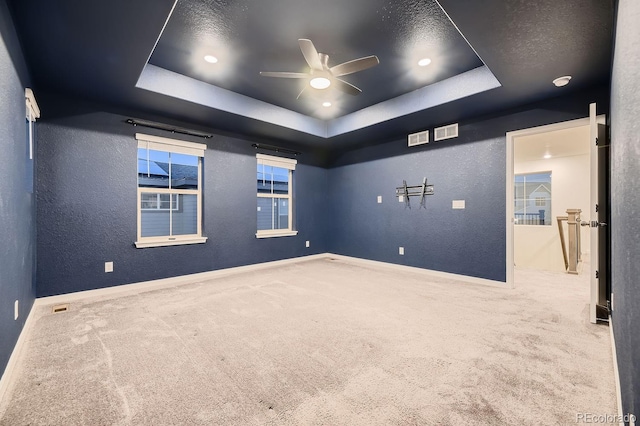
{"points": [[275, 200], [169, 192], [533, 199]]}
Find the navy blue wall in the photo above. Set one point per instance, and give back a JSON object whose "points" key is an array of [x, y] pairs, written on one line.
{"points": [[87, 207], [17, 211], [625, 201], [472, 168]]}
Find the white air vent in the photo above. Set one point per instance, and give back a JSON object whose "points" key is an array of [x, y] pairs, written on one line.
{"points": [[419, 138], [445, 132]]}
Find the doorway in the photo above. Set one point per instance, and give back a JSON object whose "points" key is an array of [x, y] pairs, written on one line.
{"points": [[548, 171], [551, 176]]}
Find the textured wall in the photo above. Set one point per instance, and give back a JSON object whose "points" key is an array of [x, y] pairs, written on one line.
{"points": [[87, 208], [16, 201], [472, 168], [625, 201]]}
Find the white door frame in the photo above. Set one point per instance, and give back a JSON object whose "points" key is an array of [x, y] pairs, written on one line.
{"points": [[510, 139]]}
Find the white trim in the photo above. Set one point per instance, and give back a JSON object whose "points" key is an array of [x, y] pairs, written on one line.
{"points": [[285, 163], [158, 143], [616, 373], [428, 272], [510, 140], [172, 146], [6, 381], [270, 160], [169, 241], [270, 233]]}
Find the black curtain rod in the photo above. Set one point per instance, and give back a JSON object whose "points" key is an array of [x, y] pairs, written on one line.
{"points": [[166, 128], [275, 148]]}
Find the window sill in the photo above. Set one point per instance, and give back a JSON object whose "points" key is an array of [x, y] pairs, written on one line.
{"points": [[165, 243], [271, 234]]}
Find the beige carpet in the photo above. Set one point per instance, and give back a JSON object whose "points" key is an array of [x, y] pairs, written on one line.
{"points": [[324, 342]]}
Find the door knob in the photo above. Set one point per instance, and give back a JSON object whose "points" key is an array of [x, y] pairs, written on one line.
{"points": [[593, 224]]}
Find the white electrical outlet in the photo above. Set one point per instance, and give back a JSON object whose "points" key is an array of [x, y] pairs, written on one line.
{"points": [[306, 243], [15, 310], [259, 208], [401, 198], [401, 251], [379, 199], [108, 266]]}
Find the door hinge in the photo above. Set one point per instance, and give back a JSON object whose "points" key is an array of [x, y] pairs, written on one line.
{"points": [[597, 275], [596, 141], [596, 208]]}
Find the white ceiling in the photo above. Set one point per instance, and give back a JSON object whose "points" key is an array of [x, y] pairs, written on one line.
{"points": [[559, 143]]}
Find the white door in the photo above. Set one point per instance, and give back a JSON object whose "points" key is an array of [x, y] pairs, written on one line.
{"points": [[598, 307]]}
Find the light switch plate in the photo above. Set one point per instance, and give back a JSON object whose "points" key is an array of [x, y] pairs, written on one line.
{"points": [[458, 204], [379, 199], [108, 266], [401, 198], [306, 243], [15, 310], [401, 251]]}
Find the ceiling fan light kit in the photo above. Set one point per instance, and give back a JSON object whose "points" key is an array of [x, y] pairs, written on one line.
{"points": [[321, 75], [320, 83]]}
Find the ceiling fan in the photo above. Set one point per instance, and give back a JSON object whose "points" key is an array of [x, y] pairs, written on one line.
{"points": [[321, 76]]}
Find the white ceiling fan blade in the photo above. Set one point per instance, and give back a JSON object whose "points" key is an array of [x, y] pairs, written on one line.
{"points": [[284, 74], [345, 87], [355, 66], [310, 54]]}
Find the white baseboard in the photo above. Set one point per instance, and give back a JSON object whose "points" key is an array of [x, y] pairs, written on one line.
{"points": [[168, 282], [429, 272], [616, 373], [6, 380]]}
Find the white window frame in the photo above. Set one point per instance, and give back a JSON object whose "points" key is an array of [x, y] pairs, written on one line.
{"points": [[158, 203], [284, 163], [158, 143]]}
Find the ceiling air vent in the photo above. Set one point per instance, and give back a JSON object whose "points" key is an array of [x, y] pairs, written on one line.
{"points": [[419, 138], [445, 132]]}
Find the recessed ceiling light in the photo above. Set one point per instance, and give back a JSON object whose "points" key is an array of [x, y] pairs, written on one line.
{"points": [[326, 104], [211, 59], [562, 81], [320, 83], [547, 156], [424, 62]]}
